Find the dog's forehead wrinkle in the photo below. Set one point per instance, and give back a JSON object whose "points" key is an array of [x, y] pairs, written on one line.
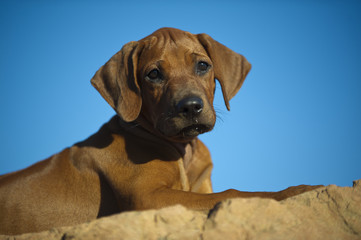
{"points": [[173, 36], [172, 52], [170, 38]]}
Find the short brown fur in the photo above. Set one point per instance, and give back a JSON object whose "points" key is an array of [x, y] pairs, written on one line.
{"points": [[148, 155]]}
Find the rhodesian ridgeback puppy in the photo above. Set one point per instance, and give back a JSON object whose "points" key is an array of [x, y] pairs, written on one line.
{"points": [[148, 156]]}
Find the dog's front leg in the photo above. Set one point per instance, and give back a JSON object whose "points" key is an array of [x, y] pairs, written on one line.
{"points": [[156, 184], [164, 196]]}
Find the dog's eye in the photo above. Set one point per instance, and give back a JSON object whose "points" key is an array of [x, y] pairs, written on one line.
{"points": [[202, 67], [154, 75]]}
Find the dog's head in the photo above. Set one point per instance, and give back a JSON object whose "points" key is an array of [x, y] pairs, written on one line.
{"points": [[167, 80]]}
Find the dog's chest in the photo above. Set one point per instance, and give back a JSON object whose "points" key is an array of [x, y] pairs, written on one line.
{"points": [[183, 164]]}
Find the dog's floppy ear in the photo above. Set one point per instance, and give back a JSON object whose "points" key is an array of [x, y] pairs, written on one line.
{"points": [[117, 82], [230, 68]]}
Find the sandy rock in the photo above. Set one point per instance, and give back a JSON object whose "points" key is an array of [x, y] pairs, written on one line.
{"points": [[327, 213]]}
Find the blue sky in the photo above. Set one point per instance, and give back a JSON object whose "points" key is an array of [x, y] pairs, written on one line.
{"points": [[296, 120]]}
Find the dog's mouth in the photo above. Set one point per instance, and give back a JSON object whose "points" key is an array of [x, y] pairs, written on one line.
{"points": [[194, 130]]}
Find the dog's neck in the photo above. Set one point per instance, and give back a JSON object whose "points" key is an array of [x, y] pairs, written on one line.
{"points": [[144, 129]]}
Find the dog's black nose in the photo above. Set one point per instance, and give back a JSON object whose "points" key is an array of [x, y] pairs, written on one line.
{"points": [[190, 107]]}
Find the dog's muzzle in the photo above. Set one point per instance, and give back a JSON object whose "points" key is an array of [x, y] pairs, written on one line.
{"points": [[190, 109], [187, 118]]}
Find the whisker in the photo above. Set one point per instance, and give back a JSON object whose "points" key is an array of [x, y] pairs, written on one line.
{"points": [[219, 113]]}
